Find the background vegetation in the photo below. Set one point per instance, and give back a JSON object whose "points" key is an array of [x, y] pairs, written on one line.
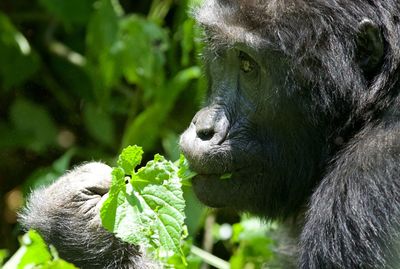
{"points": [[81, 79]]}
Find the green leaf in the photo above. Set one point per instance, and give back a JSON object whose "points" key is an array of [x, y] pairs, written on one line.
{"points": [[3, 255], [111, 204], [103, 27], [152, 216], [178, 83], [149, 211], [102, 47], [165, 206], [69, 11], [34, 253], [187, 41], [255, 247], [130, 157], [144, 129], [18, 61], [57, 264], [99, 124], [226, 176], [35, 123], [156, 171], [42, 177], [143, 52], [184, 170]]}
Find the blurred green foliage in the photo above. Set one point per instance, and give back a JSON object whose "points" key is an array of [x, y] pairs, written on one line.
{"points": [[81, 79]]}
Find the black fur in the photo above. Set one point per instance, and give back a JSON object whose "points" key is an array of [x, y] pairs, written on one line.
{"points": [[314, 134]]}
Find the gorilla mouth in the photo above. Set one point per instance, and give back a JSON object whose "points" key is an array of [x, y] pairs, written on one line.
{"points": [[219, 176], [223, 175]]}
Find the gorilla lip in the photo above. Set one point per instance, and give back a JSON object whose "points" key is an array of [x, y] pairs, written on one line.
{"points": [[223, 175]]}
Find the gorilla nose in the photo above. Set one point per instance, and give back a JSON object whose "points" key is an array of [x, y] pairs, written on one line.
{"points": [[201, 140], [210, 125], [205, 133], [204, 124]]}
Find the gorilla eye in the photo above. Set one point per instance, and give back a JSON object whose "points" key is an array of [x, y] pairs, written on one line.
{"points": [[247, 64]]}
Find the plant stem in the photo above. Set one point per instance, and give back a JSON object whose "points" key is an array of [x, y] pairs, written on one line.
{"points": [[209, 258]]}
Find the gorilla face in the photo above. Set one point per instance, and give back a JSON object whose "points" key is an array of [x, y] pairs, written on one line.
{"points": [[253, 129]]}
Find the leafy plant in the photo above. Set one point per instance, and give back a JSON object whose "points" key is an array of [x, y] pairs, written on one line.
{"points": [[35, 254], [146, 207], [254, 244], [87, 78]]}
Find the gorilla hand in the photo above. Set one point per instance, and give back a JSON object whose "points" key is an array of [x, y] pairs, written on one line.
{"points": [[67, 216]]}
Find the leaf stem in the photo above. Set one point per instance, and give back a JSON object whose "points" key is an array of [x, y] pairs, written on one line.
{"points": [[209, 258]]}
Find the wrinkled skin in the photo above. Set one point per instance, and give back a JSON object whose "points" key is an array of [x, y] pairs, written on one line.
{"points": [[302, 111]]}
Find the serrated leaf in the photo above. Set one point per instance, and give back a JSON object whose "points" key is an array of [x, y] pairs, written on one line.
{"points": [[168, 206], [132, 225], [149, 211], [152, 217], [130, 157], [157, 171]]}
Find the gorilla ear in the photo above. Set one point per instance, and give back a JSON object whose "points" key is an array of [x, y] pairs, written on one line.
{"points": [[370, 48]]}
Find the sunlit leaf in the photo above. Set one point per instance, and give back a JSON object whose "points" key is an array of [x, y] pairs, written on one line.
{"points": [[34, 253], [3, 255], [149, 211], [110, 206], [129, 158], [255, 247]]}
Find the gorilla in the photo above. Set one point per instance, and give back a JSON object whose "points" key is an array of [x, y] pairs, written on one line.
{"points": [[303, 111]]}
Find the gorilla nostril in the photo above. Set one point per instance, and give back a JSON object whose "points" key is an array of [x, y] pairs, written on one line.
{"points": [[205, 134]]}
